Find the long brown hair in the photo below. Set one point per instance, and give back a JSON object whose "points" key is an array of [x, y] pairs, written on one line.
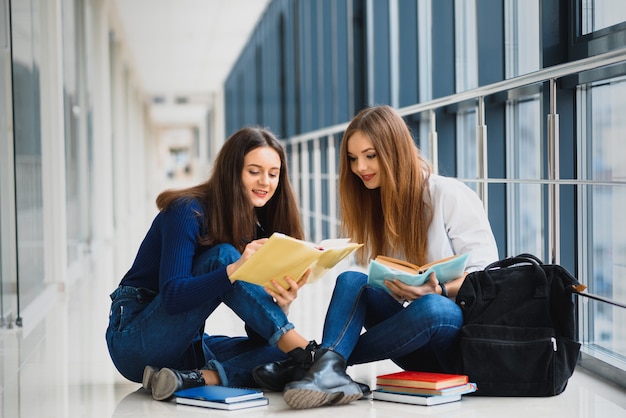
{"points": [[229, 215], [394, 218]]}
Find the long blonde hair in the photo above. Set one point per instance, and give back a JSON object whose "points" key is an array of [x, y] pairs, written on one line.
{"points": [[394, 218]]}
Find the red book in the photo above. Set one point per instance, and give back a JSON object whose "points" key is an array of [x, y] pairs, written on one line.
{"points": [[452, 390], [426, 380]]}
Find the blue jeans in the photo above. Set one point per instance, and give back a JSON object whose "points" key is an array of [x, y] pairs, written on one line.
{"points": [[141, 333], [421, 336]]}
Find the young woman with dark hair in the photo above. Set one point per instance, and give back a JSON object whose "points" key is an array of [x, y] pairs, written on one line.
{"points": [[201, 235]]}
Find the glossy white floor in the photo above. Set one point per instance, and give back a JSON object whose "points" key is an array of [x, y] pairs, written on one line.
{"points": [[59, 366]]}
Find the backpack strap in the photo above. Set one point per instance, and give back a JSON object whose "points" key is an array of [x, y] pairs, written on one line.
{"points": [[541, 288]]}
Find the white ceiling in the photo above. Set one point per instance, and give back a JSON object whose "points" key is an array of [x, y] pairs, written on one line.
{"points": [[185, 48]]}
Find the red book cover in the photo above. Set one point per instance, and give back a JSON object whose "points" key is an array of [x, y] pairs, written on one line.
{"points": [[427, 380]]}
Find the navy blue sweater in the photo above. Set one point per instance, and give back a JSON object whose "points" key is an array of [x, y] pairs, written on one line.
{"points": [[165, 258]]}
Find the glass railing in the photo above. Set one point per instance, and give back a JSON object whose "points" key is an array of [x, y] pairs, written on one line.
{"points": [[533, 183]]}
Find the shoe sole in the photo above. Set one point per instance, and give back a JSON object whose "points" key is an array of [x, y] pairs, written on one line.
{"points": [[164, 384], [306, 398], [148, 374]]}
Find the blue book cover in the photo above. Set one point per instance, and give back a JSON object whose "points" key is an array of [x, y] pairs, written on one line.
{"points": [[187, 403], [386, 268], [219, 394]]}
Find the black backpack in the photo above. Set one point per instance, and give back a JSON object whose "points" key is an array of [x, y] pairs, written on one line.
{"points": [[519, 336]]}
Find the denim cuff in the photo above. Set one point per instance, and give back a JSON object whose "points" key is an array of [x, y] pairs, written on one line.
{"points": [[217, 366], [273, 341]]}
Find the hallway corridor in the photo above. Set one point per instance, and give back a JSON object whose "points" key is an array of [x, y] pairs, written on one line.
{"points": [[66, 370]]}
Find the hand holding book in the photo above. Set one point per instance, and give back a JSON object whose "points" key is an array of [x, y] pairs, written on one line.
{"points": [[284, 256], [386, 268], [285, 297]]}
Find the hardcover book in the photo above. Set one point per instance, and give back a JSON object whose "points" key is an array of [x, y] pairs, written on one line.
{"points": [[425, 380], [219, 393], [387, 268], [283, 255], [414, 399], [252, 403], [453, 390]]}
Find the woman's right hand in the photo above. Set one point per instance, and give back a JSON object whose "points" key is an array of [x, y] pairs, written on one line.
{"points": [[251, 248], [409, 293], [284, 297]]}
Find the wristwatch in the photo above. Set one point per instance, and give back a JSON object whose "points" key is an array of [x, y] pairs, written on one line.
{"points": [[444, 291]]}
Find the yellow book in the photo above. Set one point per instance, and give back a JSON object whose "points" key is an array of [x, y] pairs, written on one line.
{"points": [[283, 255]]}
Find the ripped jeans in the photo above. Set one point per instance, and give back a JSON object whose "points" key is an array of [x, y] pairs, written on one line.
{"points": [[141, 332]]}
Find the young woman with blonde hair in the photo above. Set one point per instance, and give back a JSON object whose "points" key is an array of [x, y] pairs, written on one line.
{"points": [[393, 203]]}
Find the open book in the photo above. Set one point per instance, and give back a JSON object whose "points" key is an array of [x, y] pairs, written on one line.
{"points": [[387, 268], [283, 255]]}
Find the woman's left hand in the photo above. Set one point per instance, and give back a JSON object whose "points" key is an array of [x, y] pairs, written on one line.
{"points": [[403, 291], [410, 293], [284, 297]]}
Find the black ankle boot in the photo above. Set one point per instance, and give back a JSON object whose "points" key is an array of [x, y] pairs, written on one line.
{"points": [[326, 383], [274, 376], [165, 382]]}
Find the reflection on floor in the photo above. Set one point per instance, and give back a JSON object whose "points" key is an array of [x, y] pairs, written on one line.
{"points": [[59, 366]]}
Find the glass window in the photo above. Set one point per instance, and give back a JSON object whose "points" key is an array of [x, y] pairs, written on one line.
{"points": [[525, 200], [26, 49], [466, 45], [524, 121], [74, 111], [522, 37], [467, 163], [7, 203], [424, 137], [466, 70], [600, 14], [604, 261], [424, 47]]}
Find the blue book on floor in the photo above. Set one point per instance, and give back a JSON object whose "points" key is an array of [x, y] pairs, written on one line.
{"points": [[189, 403], [221, 394]]}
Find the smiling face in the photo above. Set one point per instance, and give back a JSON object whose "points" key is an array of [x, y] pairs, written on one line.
{"points": [[364, 159], [260, 176]]}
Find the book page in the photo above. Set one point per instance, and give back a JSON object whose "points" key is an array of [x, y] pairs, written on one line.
{"points": [[329, 258], [284, 256], [334, 243], [397, 264]]}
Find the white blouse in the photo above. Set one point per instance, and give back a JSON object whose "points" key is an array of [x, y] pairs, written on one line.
{"points": [[460, 224]]}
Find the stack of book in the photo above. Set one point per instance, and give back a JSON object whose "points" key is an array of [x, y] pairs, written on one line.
{"points": [[422, 388], [221, 397]]}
